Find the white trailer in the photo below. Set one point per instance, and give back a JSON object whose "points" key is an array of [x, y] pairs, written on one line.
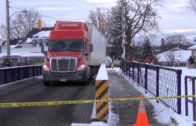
{"points": [[98, 40]]}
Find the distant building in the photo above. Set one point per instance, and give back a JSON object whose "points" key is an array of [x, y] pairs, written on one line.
{"points": [[40, 37], [192, 60], [193, 51], [174, 57], [37, 36]]}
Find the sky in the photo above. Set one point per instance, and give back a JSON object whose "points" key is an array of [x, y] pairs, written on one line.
{"points": [[175, 15]]}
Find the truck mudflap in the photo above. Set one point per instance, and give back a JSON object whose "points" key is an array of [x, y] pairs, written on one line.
{"points": [[69, 76]]}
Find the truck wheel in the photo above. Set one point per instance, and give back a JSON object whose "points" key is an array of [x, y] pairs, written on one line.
{"points": [[46, 83]]}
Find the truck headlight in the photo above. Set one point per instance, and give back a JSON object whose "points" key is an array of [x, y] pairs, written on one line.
{"points": [[46, 68], [81, 67]]}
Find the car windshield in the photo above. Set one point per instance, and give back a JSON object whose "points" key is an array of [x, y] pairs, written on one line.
{"points": [[65, 45]]}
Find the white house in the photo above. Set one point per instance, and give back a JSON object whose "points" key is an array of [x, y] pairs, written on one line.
{"points": [[193, 50], [193, 54], [174, 56]]}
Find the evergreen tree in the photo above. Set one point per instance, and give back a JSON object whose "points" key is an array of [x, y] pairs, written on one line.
{"points": [[147, 49]]}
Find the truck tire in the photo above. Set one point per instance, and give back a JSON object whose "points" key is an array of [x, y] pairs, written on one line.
{"points": [[46, 83], [93, 71]]}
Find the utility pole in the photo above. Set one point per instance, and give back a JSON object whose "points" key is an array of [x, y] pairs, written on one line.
{"points": [[8, 29], [123, 33]]}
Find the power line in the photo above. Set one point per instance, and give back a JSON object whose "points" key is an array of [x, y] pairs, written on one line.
{"points": [[25, 9], [43, 15], [40, 14]]}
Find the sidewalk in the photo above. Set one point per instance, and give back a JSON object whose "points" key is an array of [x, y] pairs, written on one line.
{"points": [[127, 111]]}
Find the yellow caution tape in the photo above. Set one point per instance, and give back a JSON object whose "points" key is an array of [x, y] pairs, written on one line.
{"points": [[67, 102]]}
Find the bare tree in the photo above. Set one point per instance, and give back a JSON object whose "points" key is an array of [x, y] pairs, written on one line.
{"points": [[140, 16], [143, 17], [98, 19], [193, 4], [22, 24], [3, 31]]}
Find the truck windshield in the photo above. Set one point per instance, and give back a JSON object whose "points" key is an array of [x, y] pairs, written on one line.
{"points": [[65, 45]]}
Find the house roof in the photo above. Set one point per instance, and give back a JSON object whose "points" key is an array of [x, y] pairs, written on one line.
{"points": [[192, 47], [42, 34]]}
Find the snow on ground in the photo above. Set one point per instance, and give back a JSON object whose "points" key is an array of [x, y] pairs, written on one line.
{"points": [[24, 52], [163, 113]]}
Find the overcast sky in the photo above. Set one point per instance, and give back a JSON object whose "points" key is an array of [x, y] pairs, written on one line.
{"points": [[175, 14]]}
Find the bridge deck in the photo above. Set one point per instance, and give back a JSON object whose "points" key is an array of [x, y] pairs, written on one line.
{"points": [[127, 111]]}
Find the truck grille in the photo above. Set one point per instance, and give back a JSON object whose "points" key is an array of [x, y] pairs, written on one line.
{"points": [[63, 64]]}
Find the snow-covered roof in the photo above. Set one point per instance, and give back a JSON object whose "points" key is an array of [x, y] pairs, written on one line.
{"points": [[192, 47], [42, 34], [180, 56]]}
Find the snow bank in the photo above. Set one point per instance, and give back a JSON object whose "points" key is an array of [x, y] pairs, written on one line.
{"points": [[42, 34]]}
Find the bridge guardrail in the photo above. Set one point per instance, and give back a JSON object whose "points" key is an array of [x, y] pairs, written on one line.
{"points": [[190, 89], [158, 80], [12, 74]]}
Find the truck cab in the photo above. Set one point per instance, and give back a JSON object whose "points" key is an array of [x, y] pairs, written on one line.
{"points": [[67, 58]]}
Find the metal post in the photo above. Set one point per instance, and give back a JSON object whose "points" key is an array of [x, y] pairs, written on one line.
{"points": [[157, 82], [133, 68], [179, 72], [8, 29], [193, 93], [186, 93], [138, 73], [146, 78]]}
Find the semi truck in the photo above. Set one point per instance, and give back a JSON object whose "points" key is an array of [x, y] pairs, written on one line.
{"points": [[75, 52]]}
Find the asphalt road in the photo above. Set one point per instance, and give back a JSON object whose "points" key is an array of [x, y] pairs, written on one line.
{"points": [[34, 90]]}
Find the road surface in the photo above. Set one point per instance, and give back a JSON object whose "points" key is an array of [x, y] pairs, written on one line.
{"points": [[34, 90]]}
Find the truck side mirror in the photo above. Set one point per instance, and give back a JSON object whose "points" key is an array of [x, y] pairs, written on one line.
{"points": [[91, 47]]}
